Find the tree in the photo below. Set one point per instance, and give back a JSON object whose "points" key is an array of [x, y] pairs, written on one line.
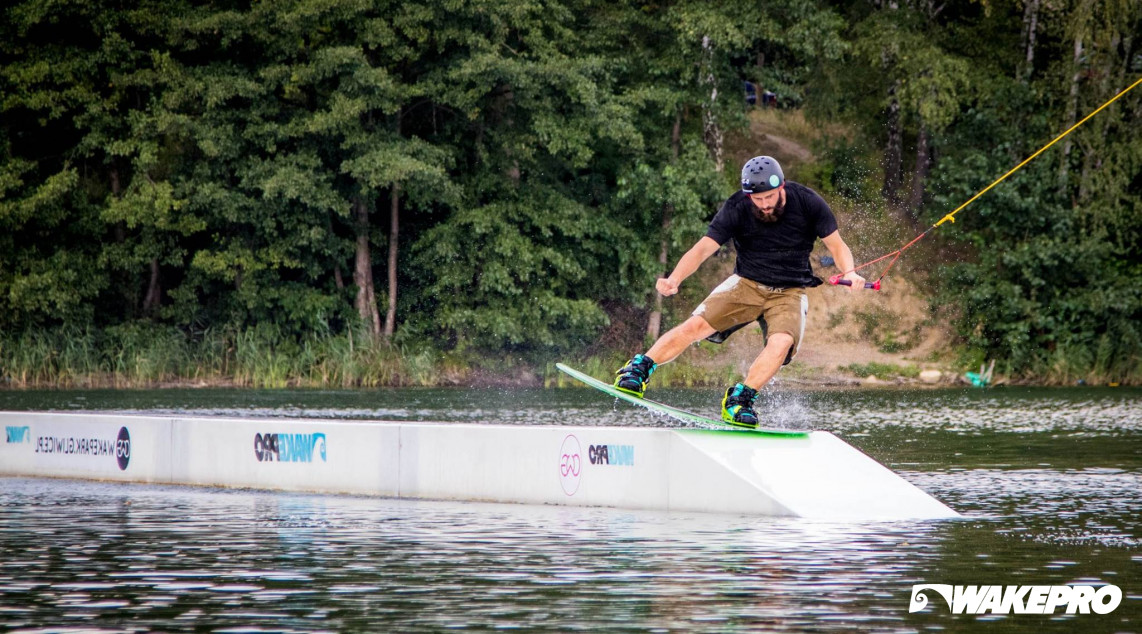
{"points": [[922, 83], [68, 73]]}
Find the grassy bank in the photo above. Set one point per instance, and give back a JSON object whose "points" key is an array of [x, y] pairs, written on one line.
{"points": [[147, 357], [259, 357]]}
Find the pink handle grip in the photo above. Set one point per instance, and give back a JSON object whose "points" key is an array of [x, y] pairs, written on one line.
{"points": [[836, 279]]}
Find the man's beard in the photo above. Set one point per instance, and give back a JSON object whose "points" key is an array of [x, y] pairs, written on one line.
{"points": [[773, 216]]}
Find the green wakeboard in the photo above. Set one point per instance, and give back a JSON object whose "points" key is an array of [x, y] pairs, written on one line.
{"points": [[673, 412]]}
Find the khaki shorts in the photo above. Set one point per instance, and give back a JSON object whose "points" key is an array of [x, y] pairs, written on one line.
{"points": [[739, 301]]}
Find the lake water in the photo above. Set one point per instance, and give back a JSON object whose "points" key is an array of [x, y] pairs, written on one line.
{"points": [[1049, 481]]}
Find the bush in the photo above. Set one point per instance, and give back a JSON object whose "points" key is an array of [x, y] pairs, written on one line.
{"points": [[882, 370]]}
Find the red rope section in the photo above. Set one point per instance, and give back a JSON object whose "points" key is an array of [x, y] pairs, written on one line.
{"points": [[895, 255]]}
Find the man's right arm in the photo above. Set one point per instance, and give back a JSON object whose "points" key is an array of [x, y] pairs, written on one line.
{"points": [[689, 263]]}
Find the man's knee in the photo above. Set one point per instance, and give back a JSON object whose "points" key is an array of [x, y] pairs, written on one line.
{"points": [[780, 341], [696, 329]]}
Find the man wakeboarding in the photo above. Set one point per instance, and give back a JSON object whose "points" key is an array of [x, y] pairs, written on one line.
{"points": [[773, 224]]}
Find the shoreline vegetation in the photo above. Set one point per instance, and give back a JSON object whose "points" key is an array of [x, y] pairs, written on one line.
{"points": [[346, 194], [262, 358]]}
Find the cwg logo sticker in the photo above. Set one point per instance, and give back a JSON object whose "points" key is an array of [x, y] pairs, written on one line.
{"points": [[18, 435], [570, 464], [123, 448], [1019, 599]]}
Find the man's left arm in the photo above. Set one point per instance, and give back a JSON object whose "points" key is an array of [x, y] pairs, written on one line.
{"points": [[843, 257]]}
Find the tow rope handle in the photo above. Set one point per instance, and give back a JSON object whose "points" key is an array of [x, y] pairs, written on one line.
{"points": [[836, 279]]}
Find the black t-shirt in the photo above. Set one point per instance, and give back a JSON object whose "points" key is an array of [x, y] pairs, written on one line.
{"points": [[775, 253]]}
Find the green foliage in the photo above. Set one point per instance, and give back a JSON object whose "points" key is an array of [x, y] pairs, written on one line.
{"points": [[689, 186], [1048, 293], [933, 82], [1036, 272], [497, 285], [881, 327], [845, 170], [882, 370], [179, 167]]}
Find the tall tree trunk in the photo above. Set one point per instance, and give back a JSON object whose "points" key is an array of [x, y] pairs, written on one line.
{"points": [[394, 244], [151, 299], [711, 131], [920, 176], [1072, 114], [759, 89], [1030, 29], [394, 231], [893, 150], [116, 190], [654, 324], [363, 272], [154, 289], [337, 278], [1110, 76], [1084, 178]]}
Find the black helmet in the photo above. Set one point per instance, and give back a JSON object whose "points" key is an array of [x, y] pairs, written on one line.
{"points": [[761, 174]]}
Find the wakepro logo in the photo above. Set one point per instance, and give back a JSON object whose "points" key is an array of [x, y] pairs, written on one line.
{"points": [[613, 455], [19, 434], [289, 447], [1019, 599]]}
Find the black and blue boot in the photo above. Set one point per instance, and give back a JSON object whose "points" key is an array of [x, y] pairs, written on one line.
{"points": [[737, 406], [633, 377]]}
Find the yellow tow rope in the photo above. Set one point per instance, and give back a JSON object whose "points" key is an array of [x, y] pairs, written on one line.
{"points": [[951, 217]]}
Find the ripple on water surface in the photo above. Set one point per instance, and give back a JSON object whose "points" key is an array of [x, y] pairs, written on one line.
{"points": [[1049, 482]]}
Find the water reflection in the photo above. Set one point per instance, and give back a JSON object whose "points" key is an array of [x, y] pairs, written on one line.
{"points": [[225, 558], [963, 411], [1050, 482], [171, 558]]}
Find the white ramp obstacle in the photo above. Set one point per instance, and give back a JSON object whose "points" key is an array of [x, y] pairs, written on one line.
{"points": [[815, 476]]}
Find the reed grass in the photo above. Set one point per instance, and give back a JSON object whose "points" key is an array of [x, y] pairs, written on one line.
{"points": [[144, 355], [1100, 364], [263, 357]]}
